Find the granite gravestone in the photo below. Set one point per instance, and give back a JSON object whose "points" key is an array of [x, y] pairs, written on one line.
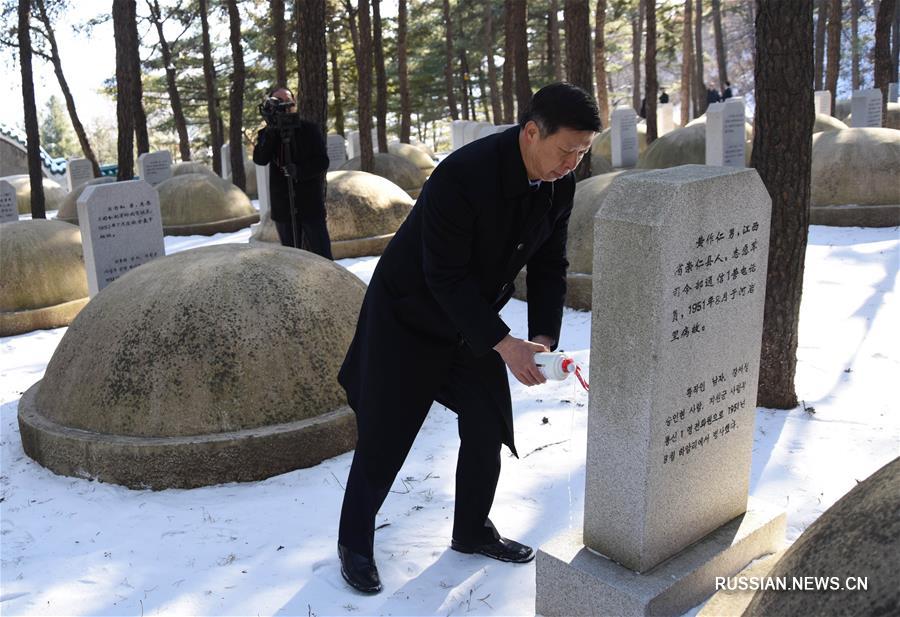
{"points": [[725, 133], [121, 228], [624, 137], [225, 160], [893, 92], [9, 207], [665, 119], [865, 108], [262, 188], [78, 171], [470, 132], [457, 134], [822, 101], [337, 151], [680, 259], [154, 167]]}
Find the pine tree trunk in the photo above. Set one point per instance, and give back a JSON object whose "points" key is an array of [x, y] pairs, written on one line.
{"points": [[782, 154], [236, 98], [464, 80], [577, 18], [209, 82], [354, 30], [312, 62], [336, 81], [637, 32], [496, 108], [883, 24], [834, 49], [122, 11], [32, 132], [554, 49], [509, 43], [364, 64], [700, 74], [821, 21], [184, 142], [403, 74], [721, 58], [142, 138], [600, 61], [687, 64], [651, 86], [895, 46], [380, 79], [520, 50], [854, 44], [483, 98], [448, 62], [279, 39], [64, 86]]}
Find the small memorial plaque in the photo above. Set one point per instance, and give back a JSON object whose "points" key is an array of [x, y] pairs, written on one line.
{"points": [[9, 207], [822, 100], [78, 171], [337, 151], [865, 108], [121, 228], [725, 134], [624, 137], [154, 167], [892, 92]]}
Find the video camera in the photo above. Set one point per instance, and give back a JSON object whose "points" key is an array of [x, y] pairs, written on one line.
{"points": [[275, 112]]}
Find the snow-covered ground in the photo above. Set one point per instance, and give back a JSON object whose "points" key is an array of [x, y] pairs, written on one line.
{"points": [[77, 547]]}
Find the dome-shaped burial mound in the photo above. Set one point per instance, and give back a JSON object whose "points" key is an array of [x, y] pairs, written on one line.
{"points": [[855, 540], [414, 154], [854, 178], [685, 146], [602, 146], [212, 365], [42, 278], [192, 167], [396, 169], [53, 193], [364, 211], [589, 196], [203, 204], [68, 210], [827, 123]]}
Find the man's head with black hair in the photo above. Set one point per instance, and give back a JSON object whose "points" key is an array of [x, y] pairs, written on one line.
{"points": [[562, 105]]}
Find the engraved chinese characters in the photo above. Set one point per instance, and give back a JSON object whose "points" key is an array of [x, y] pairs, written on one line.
{"points": [[725, 133], [121, 228], [337, 151], [822, 102], [78, 171], [154, 167], [9, 208], [624, 137], [865, 108]]}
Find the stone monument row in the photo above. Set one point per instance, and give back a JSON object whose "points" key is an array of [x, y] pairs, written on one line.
{"points": [[865, 109], [9, 207], [78, 171], [725, 134], [154, 167], [624, 137], [680, 260], [121, 228]]}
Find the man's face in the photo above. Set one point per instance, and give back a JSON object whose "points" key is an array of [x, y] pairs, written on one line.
{"points": [[285, 95], [552, 157]]}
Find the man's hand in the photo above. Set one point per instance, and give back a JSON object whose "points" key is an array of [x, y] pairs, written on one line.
{"points": [[519, 357]]}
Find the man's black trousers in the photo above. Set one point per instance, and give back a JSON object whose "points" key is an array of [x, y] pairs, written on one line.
{"points": [[313, 233], [376, 463]]}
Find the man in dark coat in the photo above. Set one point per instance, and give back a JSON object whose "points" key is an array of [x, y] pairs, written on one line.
{"points": [[310, 158], [429, 328]]}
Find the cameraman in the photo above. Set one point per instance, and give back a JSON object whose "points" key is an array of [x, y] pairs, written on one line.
{"points": [[289, 139]]}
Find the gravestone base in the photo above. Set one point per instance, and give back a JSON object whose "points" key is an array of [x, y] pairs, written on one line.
{"points": [[573, 580]]}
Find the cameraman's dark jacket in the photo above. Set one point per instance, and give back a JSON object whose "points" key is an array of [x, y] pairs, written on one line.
{"points": [[308, 153]]}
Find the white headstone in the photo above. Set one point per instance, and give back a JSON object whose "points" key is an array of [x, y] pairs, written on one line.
{"points": [[78, 171], [470, 131], [353, 144], [226, 160], [822, 100], [892, 92], [9, 206], [665, 121], [154, 167], [483, 129], [337, 151], [865, 108], [121, 228], [457, 134], [262, 188], [624, 137], [725, 134]]}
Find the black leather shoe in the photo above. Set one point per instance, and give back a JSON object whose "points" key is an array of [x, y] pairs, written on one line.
{"points": [[501, 550], [359, 571]]}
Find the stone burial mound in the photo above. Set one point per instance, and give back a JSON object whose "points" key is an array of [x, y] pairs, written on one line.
{"points": [[213, 365], [685, 146], [397, 169], [203, 204], [68, 210], [54, 193]]}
